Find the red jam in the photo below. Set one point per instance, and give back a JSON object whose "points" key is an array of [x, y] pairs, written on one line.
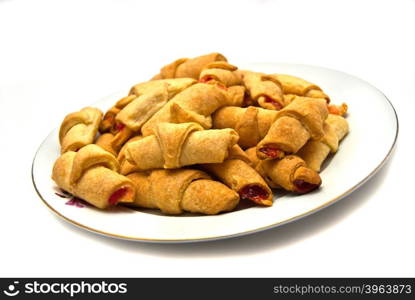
{"points": [[271, 152], [304, 186], [117, 195], [119, 126], [206, 79], [254, 193], [276, 104]]}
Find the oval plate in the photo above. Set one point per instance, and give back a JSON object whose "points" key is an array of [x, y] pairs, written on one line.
{"points": [[373, 132]]}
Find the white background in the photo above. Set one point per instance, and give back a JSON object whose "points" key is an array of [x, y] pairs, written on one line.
{"points": [[58, 56]]}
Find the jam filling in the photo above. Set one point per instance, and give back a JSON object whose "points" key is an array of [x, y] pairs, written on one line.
{"points": [[304, 186], [276, 104], [271, 152], [208, 79], [118, 127], [254, 193], [117, 195]]}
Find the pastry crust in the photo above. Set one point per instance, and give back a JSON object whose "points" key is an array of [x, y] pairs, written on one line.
{"points": [[298, 86], [188, 68], [315, 152], [263, 89], [290, 173], [79, 129], [243, 179], [177, 145], [179, 190], [251, 123], [295, 124], [194, 104], [222, 73], [86, 175]]}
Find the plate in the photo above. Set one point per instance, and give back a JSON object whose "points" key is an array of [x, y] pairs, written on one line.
{"points": [[373, 132]]}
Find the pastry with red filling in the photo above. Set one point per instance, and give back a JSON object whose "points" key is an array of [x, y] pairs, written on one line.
{"points": [[79, 129], [295, 124], [221, 73], [251, 123], [91, 174], [264, 90], [179, 190], [290, 173]]}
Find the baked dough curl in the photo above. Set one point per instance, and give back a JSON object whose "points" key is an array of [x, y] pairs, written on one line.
{"points": [[177, 145], [188, 68], [290, 173], [264, 90], [91, 174], [79, 129], [295, 124], [179, 190], [251, 123], [315, 152], [194, 104]]}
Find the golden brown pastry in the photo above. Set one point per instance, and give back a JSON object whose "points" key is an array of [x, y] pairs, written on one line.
{"points": [[179, 190], [79, 129], [295, 124], [168, 87], [242, 178], [221, 73], [91, 174], [194, 104], [290, 173], [177, 145], [251, 123], [298, 86], [125, 166], [315, 152], [188, 68], [263, 89], [340, 110]]}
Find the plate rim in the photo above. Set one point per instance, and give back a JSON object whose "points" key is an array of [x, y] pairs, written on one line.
{"points": [[244, 233]]}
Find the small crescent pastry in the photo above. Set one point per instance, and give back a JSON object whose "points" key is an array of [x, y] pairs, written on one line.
{"points": [[91, 174], [79, 129]]}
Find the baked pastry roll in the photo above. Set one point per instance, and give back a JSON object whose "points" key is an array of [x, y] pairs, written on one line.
{"points": [[125, 166], [177, 145], [295, 124], [290, 173], [315, 152], [221, 73], [91, 174], [298, 86], [263, 89], [79, 129], [237, 174], [188, 68], [251, 123], [179, 190], [194, 104], [171, 87]]}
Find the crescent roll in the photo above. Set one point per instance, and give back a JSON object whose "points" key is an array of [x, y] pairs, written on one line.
{"points": [[290, 173], [298, 86], [263, 89], [315, 152], [295, 124], [222, 73], [179, 190], [91, 174], [251, 123], [79, 129], [237, 174], [194, 104], [188, 68], [169, 87], [177, 145]]}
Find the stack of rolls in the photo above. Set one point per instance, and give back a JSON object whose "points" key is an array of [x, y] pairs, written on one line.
{"points": [[200, 137]]}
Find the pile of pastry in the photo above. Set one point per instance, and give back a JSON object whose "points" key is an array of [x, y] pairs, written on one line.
{"points": [[200, 137]]}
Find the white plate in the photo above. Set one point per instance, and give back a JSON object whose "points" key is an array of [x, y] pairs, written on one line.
{"points": [[373, 132]]}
